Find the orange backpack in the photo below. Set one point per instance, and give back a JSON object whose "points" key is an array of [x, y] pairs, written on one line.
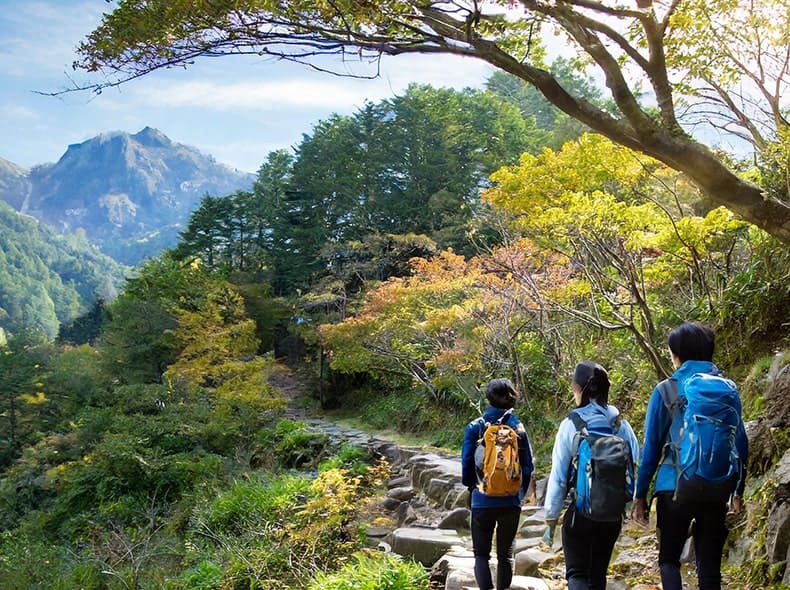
{"points": [[496, 459]]}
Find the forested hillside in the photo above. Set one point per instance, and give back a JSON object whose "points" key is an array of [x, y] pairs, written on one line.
{"points": [[47, 279], [397, 260]]}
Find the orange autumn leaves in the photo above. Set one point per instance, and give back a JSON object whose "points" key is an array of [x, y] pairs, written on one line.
{"points": [[595, 235]]}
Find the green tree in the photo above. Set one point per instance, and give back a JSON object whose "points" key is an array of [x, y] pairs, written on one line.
{"points": [[410, 165], [633, 244], [532, 103], [639, 51], [86, 328], [138, 342], [24, 406], [268, 210], [209, 232]]}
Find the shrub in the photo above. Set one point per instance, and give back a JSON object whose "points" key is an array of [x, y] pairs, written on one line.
{"points": [[249, 508], [350, 457], [297, 445], [374, 571], [204, 575], [752, 314]]}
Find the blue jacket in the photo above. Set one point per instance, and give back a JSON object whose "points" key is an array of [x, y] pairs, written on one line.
{"points": [[657, 428], [562, 453], [473, 432]]}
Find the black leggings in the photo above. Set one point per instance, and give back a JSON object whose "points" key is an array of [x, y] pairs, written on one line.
{"points": [[484, 522], [587, 546], [710, 533]]}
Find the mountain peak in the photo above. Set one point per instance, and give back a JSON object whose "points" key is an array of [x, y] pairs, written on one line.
{"points": [[119, 187], [152, 138]]}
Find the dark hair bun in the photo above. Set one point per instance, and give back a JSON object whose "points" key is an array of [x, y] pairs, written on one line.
{"points": [[501, 393], [594, 381]]}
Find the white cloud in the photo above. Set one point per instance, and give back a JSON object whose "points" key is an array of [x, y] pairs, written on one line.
{"points": [[255, 86], [250, 95], [40, 37], [18, 113]]}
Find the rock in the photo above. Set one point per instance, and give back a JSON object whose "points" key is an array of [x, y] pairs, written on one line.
{"points": [[456, 519], [461, 500], [463, 577], [399, 482], [428, 466], [457, 566], [460, 580], [529, 560], [523, 544], [635, 562], [405, 514], [777, 539], [422, 544], [739, 550], [402, 494], [438, 575], [439, 489], [407, 453], [639, 556], [387, 450], [786, 578], [377, 532], [626, 541], [391, 504], [535, 530], [527, 583], [782, 471], [540, 490], [457, 558], [533, 518]]}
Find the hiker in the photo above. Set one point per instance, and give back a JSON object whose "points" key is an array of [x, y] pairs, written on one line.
{"points": [[691, 347], [496, 496], [592, 522]]}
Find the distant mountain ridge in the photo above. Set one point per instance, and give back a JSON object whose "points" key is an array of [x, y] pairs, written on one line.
{"points": [[129, 193]]}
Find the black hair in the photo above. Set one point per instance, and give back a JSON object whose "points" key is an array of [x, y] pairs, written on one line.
{"points": [[692, 341], [594, 381], [501, 394]]}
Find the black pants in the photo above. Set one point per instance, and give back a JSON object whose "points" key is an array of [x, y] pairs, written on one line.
{"points": [[710, 533], [484, 522], [587, 546]]}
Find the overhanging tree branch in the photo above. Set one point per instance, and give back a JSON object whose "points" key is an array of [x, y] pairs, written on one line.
{"points": [[138, 37]]}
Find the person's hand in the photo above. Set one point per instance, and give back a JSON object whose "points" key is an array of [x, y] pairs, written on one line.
{"points": [[639, 511], [548, 536], [737, 504]]}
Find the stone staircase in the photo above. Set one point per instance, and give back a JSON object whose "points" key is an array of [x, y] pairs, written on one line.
{"points": [[427, 500]]}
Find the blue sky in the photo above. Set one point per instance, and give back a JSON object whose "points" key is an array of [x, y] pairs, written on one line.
{"points": [[236, 109]]}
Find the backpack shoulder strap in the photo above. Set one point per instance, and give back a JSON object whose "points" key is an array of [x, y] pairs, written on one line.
{"points": [[573, 468], [505, 418], [581, 432], [668, 390], [481, 425], [578, 422]]}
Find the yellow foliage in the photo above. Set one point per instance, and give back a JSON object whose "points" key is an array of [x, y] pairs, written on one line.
{"points": [[34, 399]]}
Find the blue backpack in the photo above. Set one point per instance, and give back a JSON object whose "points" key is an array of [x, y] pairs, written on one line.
{"points": [[602, 469], [703, 450]]}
